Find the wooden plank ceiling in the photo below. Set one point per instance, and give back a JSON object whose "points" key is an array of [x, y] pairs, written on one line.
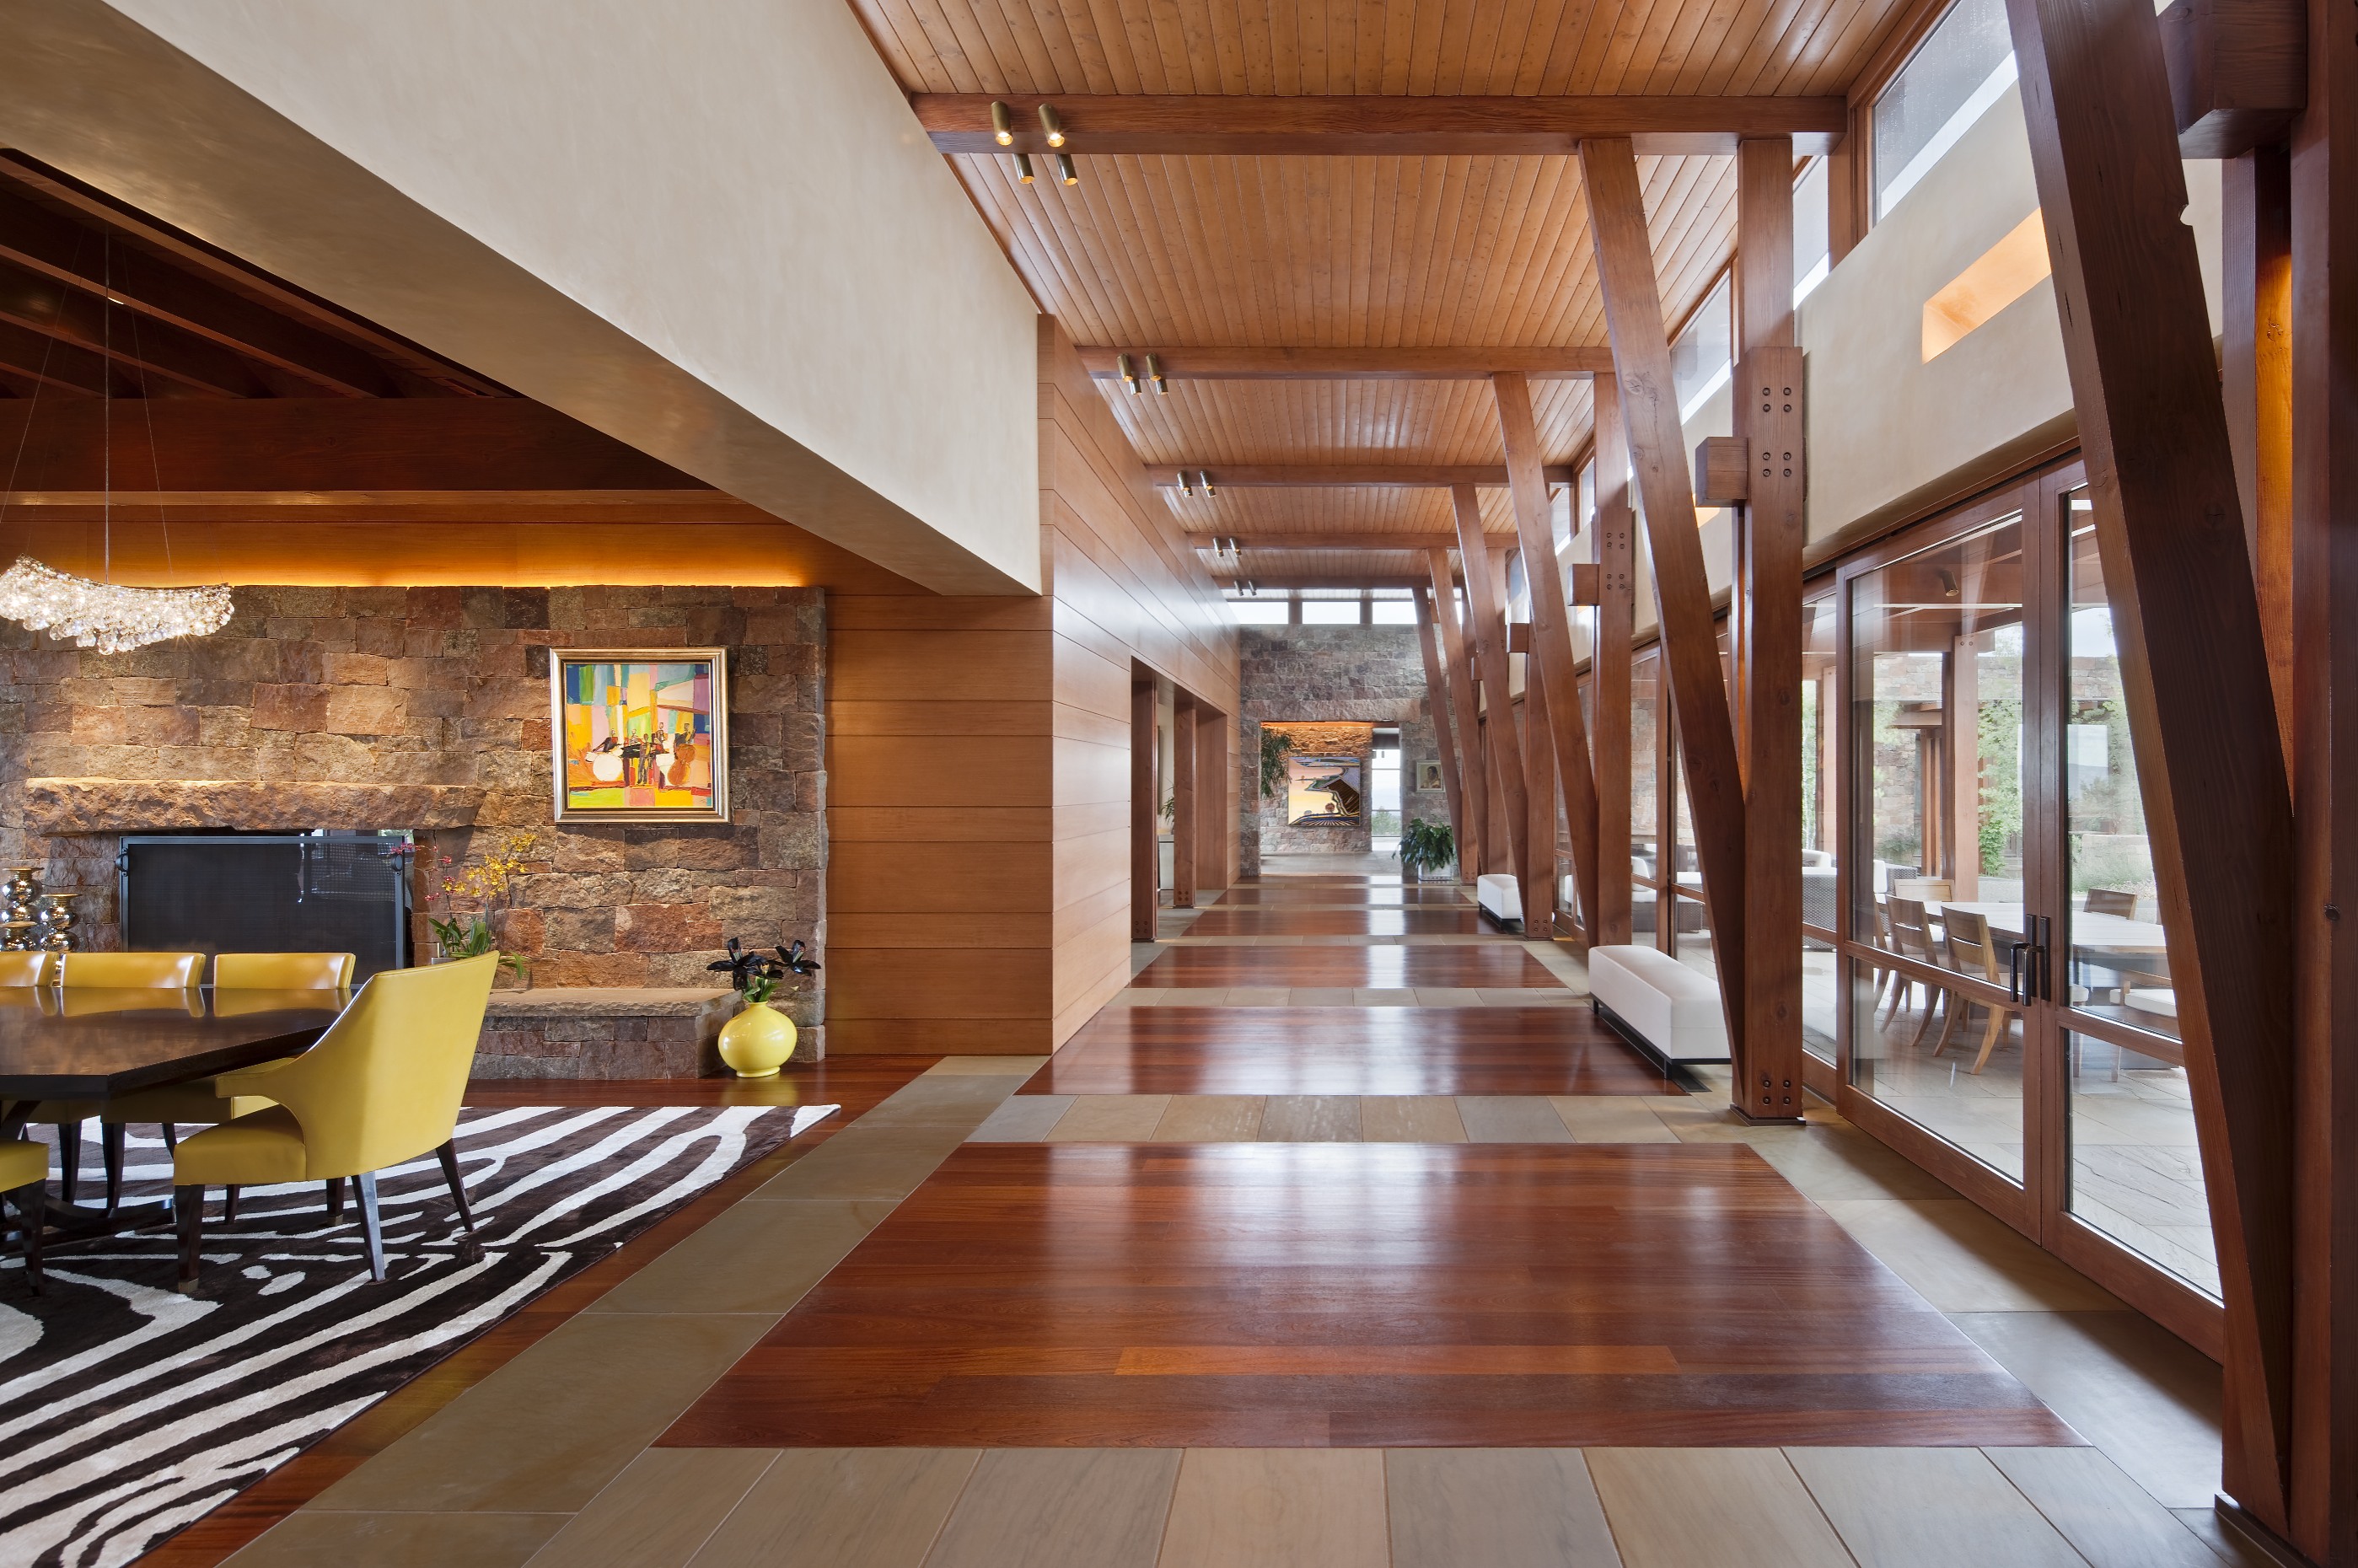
{"points": [[1167, 252]]}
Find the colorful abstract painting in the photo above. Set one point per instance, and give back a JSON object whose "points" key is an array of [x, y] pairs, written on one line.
{"points": [[1321, 791], [640, 735]]}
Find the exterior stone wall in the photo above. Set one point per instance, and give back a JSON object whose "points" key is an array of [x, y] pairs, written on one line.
{"points": [[449, 688], [1366, 674]]}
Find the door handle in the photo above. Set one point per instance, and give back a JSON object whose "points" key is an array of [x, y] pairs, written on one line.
{"points": [[2014, 971]]}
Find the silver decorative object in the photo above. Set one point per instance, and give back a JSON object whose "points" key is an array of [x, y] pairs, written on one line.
{"points": [[18, 935], [56, 927], [18, 893]]}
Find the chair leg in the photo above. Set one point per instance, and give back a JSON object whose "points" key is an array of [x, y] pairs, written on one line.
{"points": [[32, 1215], [172, 1138], [229, 1206], [1999, 1018], [110, 1144], [1961, 1007], [189, 1215], [1938, 1000], [68, 1157], [335, 1199], [448, 1156], [367, 1186]]}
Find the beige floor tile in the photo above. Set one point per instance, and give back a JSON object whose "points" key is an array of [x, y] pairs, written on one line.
{"points": [[1500, 1508], [659, 1510], [987, 1067], [1526, 996], [1023, 1118], [842, 1507], [862, 1162], [1928, 1507], [549, 1431], [2230, 1545], [1210, 1118], [1259, 996], [1723, 1507], [309, 1537], [753, 1257], [1610, 1119], [1962, 1259], [1511, 1119], [954, 1099], [1409, 1119], [1838, 1162], [1109, 1118], [1310, 1118], [1322, 996], [1138, 996], [1376, 996], [1448, 996], [1278, 1508], [2106, 1516], [1061, 1508]]}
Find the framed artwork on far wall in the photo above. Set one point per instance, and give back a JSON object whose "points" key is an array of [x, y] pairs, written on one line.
{"points": [[1321, 791], [1428, 775], [639, 734]]}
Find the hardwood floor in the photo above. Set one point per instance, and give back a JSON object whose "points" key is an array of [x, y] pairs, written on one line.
{"points": [[1278, 921], [1261, 896], [1360, 1296], [1381, 967], [1347, 1051]]}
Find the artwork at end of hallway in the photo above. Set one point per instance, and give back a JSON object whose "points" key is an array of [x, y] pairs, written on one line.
{"points": [[641, 735], [1428, 776], [1321, 791]]}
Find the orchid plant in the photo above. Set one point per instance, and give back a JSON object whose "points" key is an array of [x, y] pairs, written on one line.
{"points": [[488, 881], [756, 976]]}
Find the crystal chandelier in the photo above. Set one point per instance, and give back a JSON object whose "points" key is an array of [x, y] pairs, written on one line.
{"points": [[106, 616]]}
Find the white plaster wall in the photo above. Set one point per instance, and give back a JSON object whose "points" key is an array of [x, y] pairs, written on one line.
{"points": [[736, 184]]}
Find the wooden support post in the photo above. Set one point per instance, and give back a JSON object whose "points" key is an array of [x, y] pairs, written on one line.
{"points": [[1215, 834], [2255, 374], [1551, 651], [1145, 869], [1540, 797], [1616, 606], [1436, 701], [1503, 753], [1472, 778], [1183, 802], [1773, 525], [2325, 725], [2194, 667], [1690, 659]]}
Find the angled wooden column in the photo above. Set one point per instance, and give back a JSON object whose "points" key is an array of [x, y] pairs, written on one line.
{"points": [[1772, 525], [1473, 780], [1436, 700], [1650, 409], [2256, 376], [1540, 796], [1552, 651], [2194, 668], [1503, 753], [1215, 833], [1183, 802], [1613, 541], [1145, 870], [2324, 200]]}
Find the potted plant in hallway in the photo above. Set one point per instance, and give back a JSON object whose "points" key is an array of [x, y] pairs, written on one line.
{"points": [[1426, 848], [760, 1039]]}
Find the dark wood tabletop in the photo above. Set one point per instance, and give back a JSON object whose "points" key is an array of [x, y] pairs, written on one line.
{"points": [[100, 1044]]}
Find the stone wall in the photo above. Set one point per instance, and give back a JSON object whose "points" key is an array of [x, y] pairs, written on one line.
{"points": [[434, 702], [1368, 674]]}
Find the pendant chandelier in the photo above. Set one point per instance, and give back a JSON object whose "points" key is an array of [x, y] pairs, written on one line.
{"points": [[106, 616]]}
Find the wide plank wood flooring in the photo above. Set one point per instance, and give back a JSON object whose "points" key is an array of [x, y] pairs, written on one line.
{"points": [[1347, 1051], [1360, 1296], [1346, 921], [1378, 967]]}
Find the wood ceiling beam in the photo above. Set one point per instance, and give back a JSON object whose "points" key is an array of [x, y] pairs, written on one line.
{"points": [[162, 359], [1486, 578], [35, 359], [1346, 476], [1377, 125], [1245, 539], [1284, 582], [1350, 364]]}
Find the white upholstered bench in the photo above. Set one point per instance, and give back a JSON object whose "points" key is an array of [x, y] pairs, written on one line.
{"points": [[1671, 1009], [1501, 899]]}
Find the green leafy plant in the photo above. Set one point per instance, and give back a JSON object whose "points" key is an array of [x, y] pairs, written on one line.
{"points": [[470, 937], [1426, 847], [1274, 745]]}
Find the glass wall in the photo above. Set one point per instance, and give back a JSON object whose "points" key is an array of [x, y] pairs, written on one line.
{"points": [[1820, 761], [1644, 803], [1953, 78]]}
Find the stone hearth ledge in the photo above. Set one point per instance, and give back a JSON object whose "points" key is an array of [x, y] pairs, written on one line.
{"points": [[604, 1032], [139, 805]]}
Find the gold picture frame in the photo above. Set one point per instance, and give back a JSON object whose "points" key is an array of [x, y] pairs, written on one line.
{"points": [[639, 734]]}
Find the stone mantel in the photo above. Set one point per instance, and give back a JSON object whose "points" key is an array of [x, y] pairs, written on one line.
{"points": [[136, 805], [605, 1033]]}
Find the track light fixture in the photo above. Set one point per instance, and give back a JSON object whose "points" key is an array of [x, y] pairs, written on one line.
{"points": [[1065, 169], [1024, 168], [1185, 488], [1203, 478], [1002, 124], [1053, 125], [1154, 375], [1129, 376]]}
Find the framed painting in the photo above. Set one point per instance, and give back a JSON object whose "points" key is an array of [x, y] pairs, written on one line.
{"points": [[1428, 775], [1321, 791], [639, 734]]}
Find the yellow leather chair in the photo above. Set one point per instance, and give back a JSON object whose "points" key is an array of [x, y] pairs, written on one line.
{"points": [[175, 972], [382, 1086], [283, 971], [37, 968], [24, 1176]]}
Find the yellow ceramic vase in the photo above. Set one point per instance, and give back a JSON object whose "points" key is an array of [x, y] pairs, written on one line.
{"points": [[758, 1040]]}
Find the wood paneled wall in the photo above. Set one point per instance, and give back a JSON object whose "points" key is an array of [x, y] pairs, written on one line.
{"points": [[979, 880]]}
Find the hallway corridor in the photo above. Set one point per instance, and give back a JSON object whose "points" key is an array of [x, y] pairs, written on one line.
{"points": [[1345, 1237]]}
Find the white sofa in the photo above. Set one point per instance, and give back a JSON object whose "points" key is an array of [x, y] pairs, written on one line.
{"points": [[1672, 1007], [1500, 898]]}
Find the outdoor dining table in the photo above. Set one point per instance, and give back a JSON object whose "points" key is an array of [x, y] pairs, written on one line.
{"points": [[100, 1043], [2093, 937]]}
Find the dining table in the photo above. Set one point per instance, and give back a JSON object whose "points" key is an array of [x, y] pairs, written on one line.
{"points": [[100, 1043]]}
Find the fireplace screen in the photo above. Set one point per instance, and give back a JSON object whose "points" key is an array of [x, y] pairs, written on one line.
{"points": [[269, 892]]}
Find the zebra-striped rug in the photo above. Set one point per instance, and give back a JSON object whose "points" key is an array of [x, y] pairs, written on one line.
{"points": [[126, 1411]]}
